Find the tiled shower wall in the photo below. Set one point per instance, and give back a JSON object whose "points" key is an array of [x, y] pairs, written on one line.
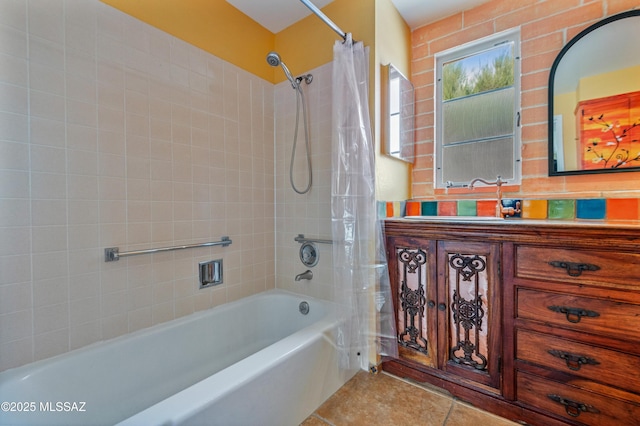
{"points": [[113, 133], [310, 213]]}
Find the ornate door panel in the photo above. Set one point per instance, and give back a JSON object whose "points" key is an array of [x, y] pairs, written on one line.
{"points": [[469, 310], [412, 279]]}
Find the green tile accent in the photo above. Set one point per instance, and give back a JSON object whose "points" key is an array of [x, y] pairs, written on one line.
{"points": [[467, 208], [429, 208], [562, 209]]}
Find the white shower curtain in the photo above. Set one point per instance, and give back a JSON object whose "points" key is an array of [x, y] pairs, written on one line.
{"points": [[360, 268]]}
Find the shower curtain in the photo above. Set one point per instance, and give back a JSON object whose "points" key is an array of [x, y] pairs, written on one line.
{"points": [[360, 268]]}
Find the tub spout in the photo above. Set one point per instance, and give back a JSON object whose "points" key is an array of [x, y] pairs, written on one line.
{"points": [[306, 275]]}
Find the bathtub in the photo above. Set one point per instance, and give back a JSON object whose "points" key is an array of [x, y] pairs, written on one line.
{"points": [[256, 361]]}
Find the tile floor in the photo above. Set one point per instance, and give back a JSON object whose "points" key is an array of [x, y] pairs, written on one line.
{"points": [[381, 399]]}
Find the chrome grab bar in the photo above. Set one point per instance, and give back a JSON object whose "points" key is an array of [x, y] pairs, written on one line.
{"points": [[302, 239], [113, 254]]}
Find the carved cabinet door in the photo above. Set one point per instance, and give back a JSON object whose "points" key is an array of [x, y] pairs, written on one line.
{"points": [[412, 276], [469, 337]]}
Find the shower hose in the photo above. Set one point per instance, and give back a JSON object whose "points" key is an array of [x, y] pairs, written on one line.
{"points": [[300, 99]]}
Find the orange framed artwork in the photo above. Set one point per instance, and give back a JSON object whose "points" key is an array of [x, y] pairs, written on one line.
{"points": [[609, 132]]}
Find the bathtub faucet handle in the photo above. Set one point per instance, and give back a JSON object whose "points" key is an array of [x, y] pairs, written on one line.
{"points": [[306, 275]]}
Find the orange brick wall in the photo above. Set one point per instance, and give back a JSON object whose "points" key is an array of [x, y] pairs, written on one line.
{"points": [[546, 26]]}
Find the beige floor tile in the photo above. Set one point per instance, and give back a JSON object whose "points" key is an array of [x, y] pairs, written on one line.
{"points": [[313, 420], [385, 400], [368, 400], [466, 415]]}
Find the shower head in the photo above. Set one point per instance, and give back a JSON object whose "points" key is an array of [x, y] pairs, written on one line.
{"points": [[274, 60]]}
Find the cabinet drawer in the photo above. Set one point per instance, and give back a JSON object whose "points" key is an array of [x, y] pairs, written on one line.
{"points": [[586, 314], [582, 360], [613, 269], [574, 404]]}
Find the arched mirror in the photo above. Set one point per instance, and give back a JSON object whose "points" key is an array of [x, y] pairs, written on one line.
{"points": [[594, 100]]}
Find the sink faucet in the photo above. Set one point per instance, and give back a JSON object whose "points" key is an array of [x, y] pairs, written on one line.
{"points": [[501, 211], [306, 275]]}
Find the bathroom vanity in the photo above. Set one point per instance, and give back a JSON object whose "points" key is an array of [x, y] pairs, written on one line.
{"points": [[535, 321]]}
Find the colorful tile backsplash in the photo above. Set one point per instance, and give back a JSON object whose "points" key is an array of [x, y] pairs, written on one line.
{"points": [[564, 209]]}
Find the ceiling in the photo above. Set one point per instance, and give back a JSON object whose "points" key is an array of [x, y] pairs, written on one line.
{"points": [[276, 15]]}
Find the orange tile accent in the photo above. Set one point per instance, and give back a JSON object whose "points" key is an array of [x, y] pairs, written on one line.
{"points": [[622, 209], [447, 208], [486, 208], [389, 209], [534, 209], [413, 208]]}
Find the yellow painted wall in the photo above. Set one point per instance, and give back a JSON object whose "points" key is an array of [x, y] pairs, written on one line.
{"points": [[565, 105], [212, 25], [393, 45], [308, 43], [609, 84]]}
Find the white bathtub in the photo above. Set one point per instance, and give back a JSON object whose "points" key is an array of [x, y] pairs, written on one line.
{"points": [[256, 361]]}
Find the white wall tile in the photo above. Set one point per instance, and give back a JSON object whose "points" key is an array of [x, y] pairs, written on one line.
{"points": [[14, 14], [132, 138], [46, 19], [49, 344], [47, 132], [13, 41], [15, 326], [15, 297], [13, 99]]}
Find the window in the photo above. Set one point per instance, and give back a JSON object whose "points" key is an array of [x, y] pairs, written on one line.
{"points": [[478, 111]]}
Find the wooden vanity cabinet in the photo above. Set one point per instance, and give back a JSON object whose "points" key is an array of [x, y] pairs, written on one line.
{"points": [[448, 314], [538, 323], [576, 322]]}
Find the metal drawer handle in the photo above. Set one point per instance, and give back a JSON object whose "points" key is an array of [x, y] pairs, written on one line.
{"points": [[574, 362], [574, 269], [573, 408], [574, 315]]}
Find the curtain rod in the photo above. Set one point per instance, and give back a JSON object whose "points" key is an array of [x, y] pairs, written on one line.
{"points": [[324, 17]]}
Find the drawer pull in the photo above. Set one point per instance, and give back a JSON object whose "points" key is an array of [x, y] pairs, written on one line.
{"points": [[574, 269], [574, 315], [574, 362], [573, 408]]}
